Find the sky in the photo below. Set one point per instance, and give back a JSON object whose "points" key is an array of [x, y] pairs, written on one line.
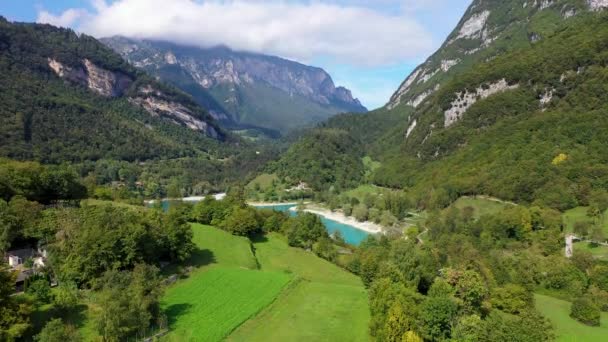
{"points": [[368, 46]]}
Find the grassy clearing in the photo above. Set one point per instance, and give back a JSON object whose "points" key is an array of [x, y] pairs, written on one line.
{"points": [[210, 304], [311, 311], [366, 189], [274, 254], [598, 251], [226, 289], [482, 205], [579, 214], [218, 247], [264, 181], [324, 303], [567, 329]]}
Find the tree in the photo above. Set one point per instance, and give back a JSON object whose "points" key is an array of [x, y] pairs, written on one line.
{"points": [[242, 221], [411, 336], [325, 249], [178, 235], [41, 290], [599, 276], [582, 228], [468, 329], [436, 316], [397, 323], [471, 289], [304, 230], [66, 296], [57, 331], [585, 311], [347, 209], [599, 200], [512, 298], [529, 326], [127, 302], [387, 219], [14, 314], [360, 212]]}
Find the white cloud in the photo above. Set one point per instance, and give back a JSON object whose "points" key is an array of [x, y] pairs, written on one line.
{"points": [[65, 19], [347, 33]]}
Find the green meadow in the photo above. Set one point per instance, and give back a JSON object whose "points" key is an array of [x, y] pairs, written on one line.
{"points": [[567, 329], [322, 296], [263, 291]]}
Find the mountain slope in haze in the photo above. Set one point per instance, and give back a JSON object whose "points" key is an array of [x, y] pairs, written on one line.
{"points": [[242, 89], [521, 116], [67, 97]]}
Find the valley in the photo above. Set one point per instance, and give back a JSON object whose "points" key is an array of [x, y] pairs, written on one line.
{"points": [[156, 185]]}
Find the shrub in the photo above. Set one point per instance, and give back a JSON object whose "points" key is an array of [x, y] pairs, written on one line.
{"points": [[585, 311]]}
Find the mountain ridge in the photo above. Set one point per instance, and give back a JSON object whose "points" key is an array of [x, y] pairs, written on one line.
{"points": [[242, 87], [87, 92]]}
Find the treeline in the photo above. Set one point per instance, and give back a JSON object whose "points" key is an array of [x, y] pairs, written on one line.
{"points": [[474, 279], [304, 230]]}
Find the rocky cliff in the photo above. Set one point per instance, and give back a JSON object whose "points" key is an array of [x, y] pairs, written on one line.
{"points": [[488, 29], [240, 87], [145, 94]]}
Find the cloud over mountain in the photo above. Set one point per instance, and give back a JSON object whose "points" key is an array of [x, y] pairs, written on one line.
{"points": [[355, 34]]}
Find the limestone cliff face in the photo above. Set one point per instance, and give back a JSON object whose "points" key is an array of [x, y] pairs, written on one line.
{"points": [[488, 29], [115, 84], [238, 85], [436, 95]]}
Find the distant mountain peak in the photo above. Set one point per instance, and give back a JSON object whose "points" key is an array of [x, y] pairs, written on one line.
{"points": [[242, 87]]}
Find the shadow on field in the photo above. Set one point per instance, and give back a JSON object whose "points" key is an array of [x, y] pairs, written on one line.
{"points": [[258, 238], [175, 311], [202, 257]]}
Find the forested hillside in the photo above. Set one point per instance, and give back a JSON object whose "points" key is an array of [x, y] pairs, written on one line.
{"points": [[67, 97], [526, 124]]}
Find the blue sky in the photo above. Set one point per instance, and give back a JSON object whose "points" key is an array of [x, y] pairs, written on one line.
{"points": [[369, 46]]}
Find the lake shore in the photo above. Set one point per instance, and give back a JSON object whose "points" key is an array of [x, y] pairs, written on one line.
{"points": [[218, 197], [367, 226], [269, 204]]}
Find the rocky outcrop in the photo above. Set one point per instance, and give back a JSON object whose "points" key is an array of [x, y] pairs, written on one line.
{"points": [[466, 99], [473, 27], [174, 111], [99, 80], [597, 5], [114, 84]]}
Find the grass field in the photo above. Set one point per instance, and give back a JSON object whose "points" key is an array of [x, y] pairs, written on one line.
{"points": [[579, 214], [226, 289], [482, 205], [324, 303], [210, 304], [365, 189], [598, 251], [567, 329], [285, 294], [264, 181], [217, 247]]}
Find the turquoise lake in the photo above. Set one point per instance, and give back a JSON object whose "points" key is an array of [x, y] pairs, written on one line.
{"points": [[351, 235]]}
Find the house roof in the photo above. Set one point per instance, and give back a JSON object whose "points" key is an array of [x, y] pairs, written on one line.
{"points": [[22, 253]]}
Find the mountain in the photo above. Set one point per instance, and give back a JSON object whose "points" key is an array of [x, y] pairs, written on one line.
{"points": [[242, 89], [512, 105], [67, 97]]}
